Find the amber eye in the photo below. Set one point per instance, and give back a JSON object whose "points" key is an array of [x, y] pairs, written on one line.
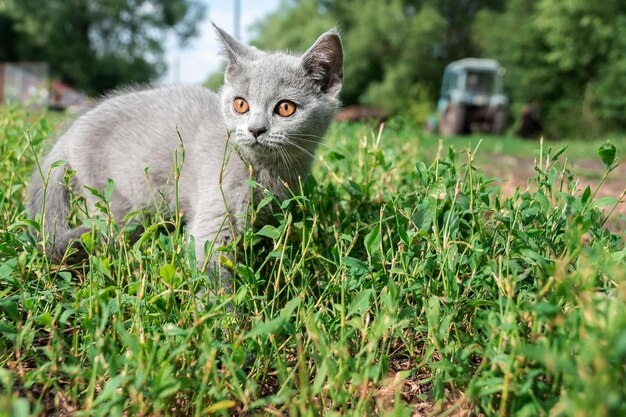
{"points": [[285, 108], [241, 106]]}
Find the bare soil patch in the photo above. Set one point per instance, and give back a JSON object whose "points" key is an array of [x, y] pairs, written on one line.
{"points": [[518, 172]]}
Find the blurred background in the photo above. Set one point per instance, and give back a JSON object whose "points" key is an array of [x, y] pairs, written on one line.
{"points": [[563, 61]]}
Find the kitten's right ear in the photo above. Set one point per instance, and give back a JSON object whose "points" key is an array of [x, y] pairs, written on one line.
{"points": [[234, 50], [324, 62]]}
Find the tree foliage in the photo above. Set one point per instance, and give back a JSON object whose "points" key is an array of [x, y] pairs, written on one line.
{"points": [[95, 45], [569, 56]]}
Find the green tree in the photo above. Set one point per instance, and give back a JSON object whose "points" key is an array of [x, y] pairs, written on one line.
{"points": [[410, 71], [569, 56], [95, 45]]}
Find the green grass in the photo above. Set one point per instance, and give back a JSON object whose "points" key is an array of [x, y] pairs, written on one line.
{"points": [[428, 143], [401, 281]]}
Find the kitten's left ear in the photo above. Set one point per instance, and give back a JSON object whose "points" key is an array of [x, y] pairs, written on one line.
{"points": [[235, 50], [324, 62]]}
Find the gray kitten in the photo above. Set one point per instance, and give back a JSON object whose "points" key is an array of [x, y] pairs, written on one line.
{"points": [[274, 109]]}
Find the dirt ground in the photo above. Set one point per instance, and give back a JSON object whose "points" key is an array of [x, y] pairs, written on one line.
{"points": [[517, 172]]}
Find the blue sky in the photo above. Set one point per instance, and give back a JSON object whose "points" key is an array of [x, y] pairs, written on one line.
{"points": [[200, 57]]}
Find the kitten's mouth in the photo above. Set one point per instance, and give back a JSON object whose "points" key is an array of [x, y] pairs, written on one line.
{"points": [[265, 147], [258, 147]]}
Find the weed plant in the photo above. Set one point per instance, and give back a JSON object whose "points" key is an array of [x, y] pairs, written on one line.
{"points": [[391, 286]]}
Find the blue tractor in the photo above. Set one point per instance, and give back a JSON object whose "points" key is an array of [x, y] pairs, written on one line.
{"points": [[472, 99]]}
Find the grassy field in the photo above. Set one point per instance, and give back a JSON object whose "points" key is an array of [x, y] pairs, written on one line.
{"points": [[402, 283]]}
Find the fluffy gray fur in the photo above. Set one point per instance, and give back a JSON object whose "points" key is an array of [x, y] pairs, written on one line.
{"points": [[126, 134]]}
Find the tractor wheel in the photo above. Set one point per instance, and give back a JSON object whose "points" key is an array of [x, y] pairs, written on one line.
{"points": [[499, 122], [453, 120]]}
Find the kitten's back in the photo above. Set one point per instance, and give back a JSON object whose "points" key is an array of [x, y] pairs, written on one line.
{"points": [[132, 114], [132, 138]]}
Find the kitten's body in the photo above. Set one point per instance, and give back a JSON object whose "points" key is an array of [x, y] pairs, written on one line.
{"points": [[133, 139]]}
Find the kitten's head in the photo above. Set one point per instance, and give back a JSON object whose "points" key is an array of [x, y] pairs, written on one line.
{"points": [[279, 104]]}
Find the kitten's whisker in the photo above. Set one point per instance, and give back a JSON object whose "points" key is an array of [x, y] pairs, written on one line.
{"points": [[295, 161], [306, 151], [311, 135], [329, 147], [293, 164], [325, 145], [290, 166], [292, 172]]}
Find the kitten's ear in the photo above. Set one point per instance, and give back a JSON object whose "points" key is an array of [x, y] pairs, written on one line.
{"points": [[323, 62], [234, 50]]}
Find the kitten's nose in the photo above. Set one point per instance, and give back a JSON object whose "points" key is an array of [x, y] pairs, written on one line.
{"points": [[257, 131]]}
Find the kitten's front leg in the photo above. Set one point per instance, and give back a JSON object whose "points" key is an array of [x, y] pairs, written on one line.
{"points": [[212, 229], [215, 224]]}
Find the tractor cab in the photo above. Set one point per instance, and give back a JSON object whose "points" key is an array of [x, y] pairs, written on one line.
{"points": [[471, 97]]}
